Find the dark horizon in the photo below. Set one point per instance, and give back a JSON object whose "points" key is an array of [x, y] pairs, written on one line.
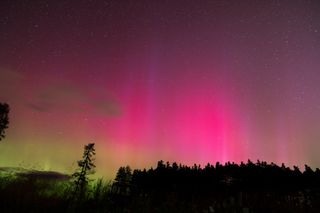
{"points": [[246, 188]]}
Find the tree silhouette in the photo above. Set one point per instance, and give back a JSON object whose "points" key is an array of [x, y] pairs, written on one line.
{"points": [[123, 180], [86, 167], [4, 119]]}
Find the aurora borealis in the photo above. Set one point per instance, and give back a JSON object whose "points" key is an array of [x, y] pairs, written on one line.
{"points": [[187, 81]]}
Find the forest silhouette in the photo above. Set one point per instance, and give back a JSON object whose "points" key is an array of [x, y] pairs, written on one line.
{"points": [[169, 187]]}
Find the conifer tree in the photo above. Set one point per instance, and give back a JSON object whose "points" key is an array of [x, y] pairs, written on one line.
{"points": [[123, 180], [4, 119], [86, 167]]}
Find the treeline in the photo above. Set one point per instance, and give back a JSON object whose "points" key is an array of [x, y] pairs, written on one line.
{"points": [[257, 187], [213, 178], [170, 187]]}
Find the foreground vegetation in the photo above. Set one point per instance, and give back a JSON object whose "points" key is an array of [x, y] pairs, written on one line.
{"points": [[248, 187]]}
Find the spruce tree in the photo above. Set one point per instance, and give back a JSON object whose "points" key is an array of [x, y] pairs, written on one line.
{"points": [[4, 119], [86, 167]]}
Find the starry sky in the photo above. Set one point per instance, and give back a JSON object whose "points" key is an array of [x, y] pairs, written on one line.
{"points": [[179, 80]]}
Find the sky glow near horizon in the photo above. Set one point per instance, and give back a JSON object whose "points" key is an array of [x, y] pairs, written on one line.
{"points": [[185, 81]]}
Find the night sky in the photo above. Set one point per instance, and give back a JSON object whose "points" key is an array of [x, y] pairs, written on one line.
{"points": [[192, 81]]}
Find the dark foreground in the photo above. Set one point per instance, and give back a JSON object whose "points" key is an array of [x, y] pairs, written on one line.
{"points": [[251, 187]]}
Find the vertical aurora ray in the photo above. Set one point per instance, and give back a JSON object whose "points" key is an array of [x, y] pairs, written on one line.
{"points": [[150, 80]]}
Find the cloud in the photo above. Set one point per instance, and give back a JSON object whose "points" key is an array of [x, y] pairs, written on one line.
{"points": [[60, 95], [40, 107], [74, 98]]}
